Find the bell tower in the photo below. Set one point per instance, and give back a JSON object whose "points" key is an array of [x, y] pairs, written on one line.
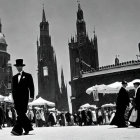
{"points": [[5, 67], [46, 63]]}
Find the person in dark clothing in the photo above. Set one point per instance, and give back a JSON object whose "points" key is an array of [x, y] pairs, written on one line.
{"points": [[68, 118], [121, 105], [51, 119], [137, 103], [22, 87], [1, 116], [89, 115], [84, 117]]}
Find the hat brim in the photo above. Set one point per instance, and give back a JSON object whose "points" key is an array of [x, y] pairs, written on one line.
{"points": [[136, 83], [19, 65]]}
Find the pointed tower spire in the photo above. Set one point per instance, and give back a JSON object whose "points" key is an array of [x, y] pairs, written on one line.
{"points": [[79, 7], [43, 15], [95, 37], [0, 26], [80, 12], [62, 79], [37, 42]]}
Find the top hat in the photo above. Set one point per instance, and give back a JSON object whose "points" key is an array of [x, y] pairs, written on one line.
{"points": [[124, 82], [19, 62], [136, 83]]}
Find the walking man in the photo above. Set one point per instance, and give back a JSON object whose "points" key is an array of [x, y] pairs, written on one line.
{"points": [[137, 103], [22, 89], [121, 105]]}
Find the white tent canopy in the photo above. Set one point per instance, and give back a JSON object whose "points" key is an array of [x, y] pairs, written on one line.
{"points": [[1, 98], [111, 88], [41, 101], [87, 105], [9, 98], [108, 105], [130, 84]]}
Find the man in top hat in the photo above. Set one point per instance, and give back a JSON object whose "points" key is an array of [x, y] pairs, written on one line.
{"points": [[121, 105], [22, 89], [137, 103]]}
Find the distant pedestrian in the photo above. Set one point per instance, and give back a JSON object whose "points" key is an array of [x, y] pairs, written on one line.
{"points": [[22, 88], [137, 103], [121, 105], [1, 116]]}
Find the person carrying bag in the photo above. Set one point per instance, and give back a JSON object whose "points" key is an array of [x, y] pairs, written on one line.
{"points": [[133, 116]]}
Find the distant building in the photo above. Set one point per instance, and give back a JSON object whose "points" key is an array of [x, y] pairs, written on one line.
{"points": [[85, 70], [5, 67], [83, 51], [48, 85], [63, 98]]}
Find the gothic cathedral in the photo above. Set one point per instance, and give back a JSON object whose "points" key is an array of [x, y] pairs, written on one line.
{"points": [[48, 86], [83, 52], [5, 67]]}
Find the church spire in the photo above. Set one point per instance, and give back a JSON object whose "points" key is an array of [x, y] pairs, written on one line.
{"points": [[0, 26], [95, 37], [43, 15], [80, 12], [79, 7]]}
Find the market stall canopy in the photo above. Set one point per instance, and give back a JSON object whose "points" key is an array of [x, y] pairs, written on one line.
{"points": [[1, 98], [131, 84], [87, 105], [9, 99], [108, 105], [52, 109], [41, 101], [99, 88], [112, 88]]}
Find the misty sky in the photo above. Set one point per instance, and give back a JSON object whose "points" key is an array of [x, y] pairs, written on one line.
{"points": [[117, 24]]}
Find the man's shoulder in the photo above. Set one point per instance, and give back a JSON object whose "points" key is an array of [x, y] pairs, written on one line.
{"points": [[138, 90], [26, 74]]}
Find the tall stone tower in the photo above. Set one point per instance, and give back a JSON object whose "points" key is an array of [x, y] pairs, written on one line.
{"points": [[63, 98], [83, 54], [48, 86], [5, 67]]}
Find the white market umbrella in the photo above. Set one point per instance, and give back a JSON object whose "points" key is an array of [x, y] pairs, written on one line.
{"points": [[93, 107], [37, 108], [41, 101], [9, 99], [111, 88], [100, 88], [87, 105], [131, 84], [115, 85], [52, 109], [108, 105], [1, 98]]}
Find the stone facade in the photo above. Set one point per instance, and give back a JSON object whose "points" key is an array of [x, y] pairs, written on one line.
{"points": [[85, 70], [48, 84], [5, 68]]}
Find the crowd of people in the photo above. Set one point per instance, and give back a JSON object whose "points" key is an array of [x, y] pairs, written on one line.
{"points": [[118, 115], [40, 117], [125, 107]]}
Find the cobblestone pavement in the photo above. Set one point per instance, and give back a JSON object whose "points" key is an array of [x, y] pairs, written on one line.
{"points": [[105, 132]]}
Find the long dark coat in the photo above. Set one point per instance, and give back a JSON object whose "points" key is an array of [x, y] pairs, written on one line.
{"points": [[121, 104], [22, 90], [137, 105]]}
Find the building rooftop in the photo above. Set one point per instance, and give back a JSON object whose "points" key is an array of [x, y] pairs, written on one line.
{"points": [[124, 66], [2, 39]]}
